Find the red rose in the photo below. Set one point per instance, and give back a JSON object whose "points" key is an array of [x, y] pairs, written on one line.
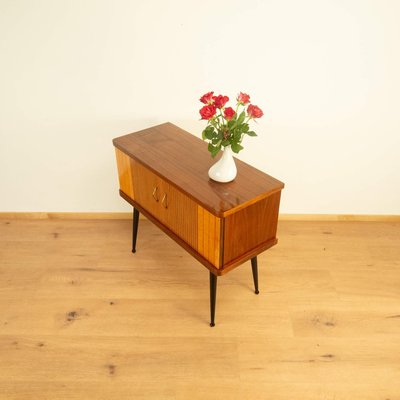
{"points": [[243, 98], [254, 111], [220, 100], [207, 112], [229, 112], [207, 98]]}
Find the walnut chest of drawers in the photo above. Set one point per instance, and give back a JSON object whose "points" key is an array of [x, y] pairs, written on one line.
{"points": [[163, 174]]}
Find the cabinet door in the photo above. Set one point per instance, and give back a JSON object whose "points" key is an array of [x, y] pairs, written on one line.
{"points": [[148, 190], [180, 213], [166, 203]]}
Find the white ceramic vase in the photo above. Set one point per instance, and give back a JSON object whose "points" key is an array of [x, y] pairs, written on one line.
{"points": [[224, 170]]}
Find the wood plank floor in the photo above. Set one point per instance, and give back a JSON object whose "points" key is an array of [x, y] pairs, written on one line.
{"points": [[81, 317]]}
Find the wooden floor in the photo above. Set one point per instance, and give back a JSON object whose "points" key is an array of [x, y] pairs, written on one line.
{"points": [[81, 317]]}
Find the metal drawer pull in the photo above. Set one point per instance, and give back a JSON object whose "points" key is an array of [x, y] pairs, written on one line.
{"points": [[155, 193], [164, 201]]}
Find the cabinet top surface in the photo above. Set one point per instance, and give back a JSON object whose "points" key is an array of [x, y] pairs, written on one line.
{"points": [[183, 160]]}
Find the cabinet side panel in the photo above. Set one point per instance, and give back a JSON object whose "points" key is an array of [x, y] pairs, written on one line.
{"points": [[125, 173], [250, 227], [209, 236]]}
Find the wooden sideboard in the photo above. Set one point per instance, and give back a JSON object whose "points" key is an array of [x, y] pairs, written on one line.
{"points": [[163, 174]]}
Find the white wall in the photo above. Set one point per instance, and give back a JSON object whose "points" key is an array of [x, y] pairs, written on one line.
{"points": [[74, 74]]}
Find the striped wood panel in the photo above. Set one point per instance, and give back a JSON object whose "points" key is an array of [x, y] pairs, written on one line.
{"points": [[180, 215], [166, 203], [125, 173], [209, 236], [148, 190]]}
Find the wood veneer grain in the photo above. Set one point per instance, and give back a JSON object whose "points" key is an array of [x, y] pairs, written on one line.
{"points": [[169, 151], [166, 203], [181, 214], [147, 186], [125, 172], [250, 227], [221, 225], [209, 236], [191, 250]]}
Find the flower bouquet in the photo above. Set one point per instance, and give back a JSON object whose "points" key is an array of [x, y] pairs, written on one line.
{"points": [[226, 128]]}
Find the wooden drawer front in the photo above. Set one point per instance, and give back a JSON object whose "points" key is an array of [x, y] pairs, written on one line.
{"points": [[166, 203], [125, 173], [250, 227]]}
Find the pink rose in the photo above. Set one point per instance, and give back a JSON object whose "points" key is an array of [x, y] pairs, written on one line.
{"points": [[243, 98], [229, 112], [207, 112], [254, 111], [207, 98], [220, 100]]}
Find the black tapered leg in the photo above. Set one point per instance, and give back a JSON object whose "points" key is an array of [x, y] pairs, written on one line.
{"points": [[213, 295], [254, 267], [135, 228]]}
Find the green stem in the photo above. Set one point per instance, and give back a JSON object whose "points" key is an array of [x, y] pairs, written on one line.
{"points": [[237, 107]]}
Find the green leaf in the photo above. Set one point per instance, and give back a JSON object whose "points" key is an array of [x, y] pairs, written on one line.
{"points": [[225, 143], [241, 118], [251, 133], [214, 150], [209, 132], [237, 135], [245, 128], [236, 147], [203, 134]]}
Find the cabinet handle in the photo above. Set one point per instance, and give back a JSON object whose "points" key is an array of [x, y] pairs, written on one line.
{"points": [[155, 193], [164, 201]]}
